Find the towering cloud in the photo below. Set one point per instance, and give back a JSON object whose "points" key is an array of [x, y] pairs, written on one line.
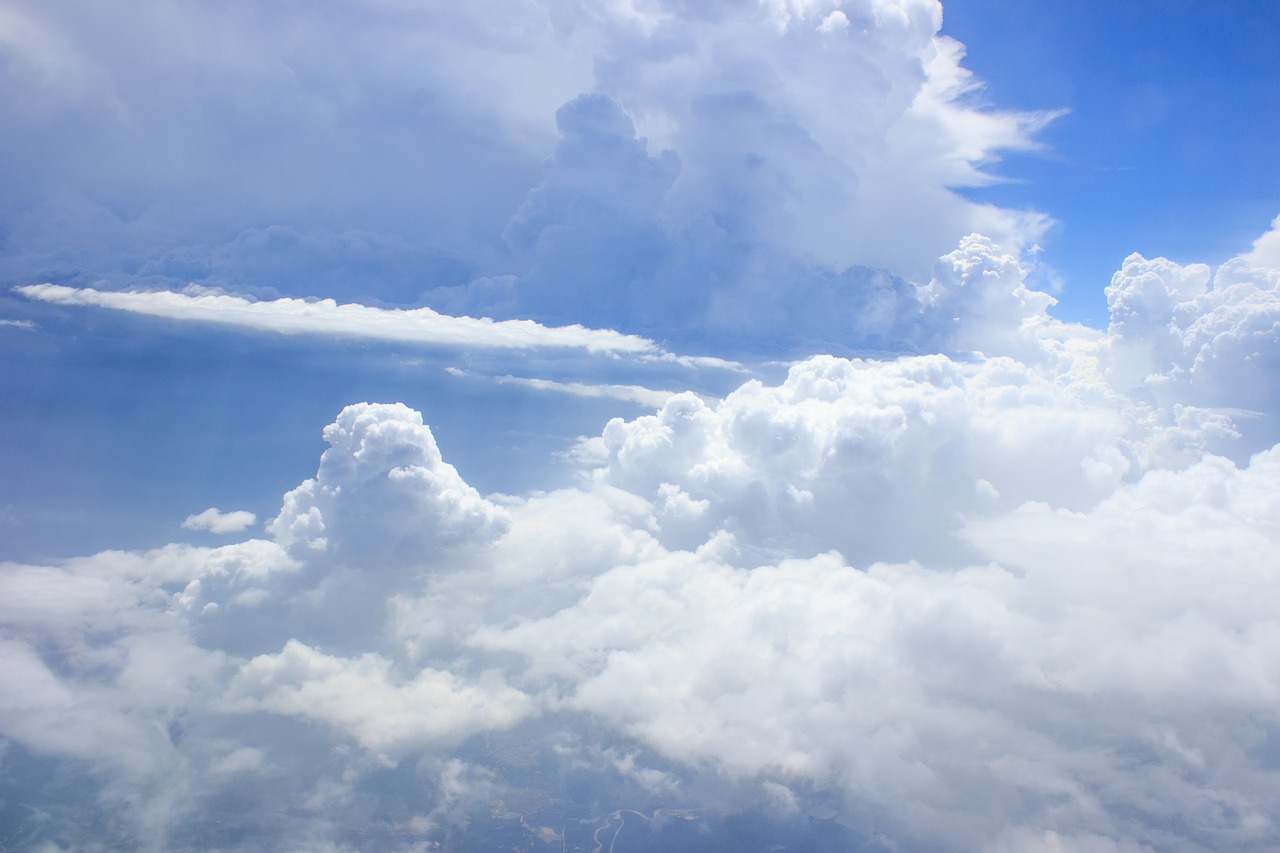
{"points": [[383, 488], [721, 175]]}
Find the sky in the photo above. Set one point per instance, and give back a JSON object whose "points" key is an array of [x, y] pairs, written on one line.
{"points": [[1166, 146], [793, 424]]}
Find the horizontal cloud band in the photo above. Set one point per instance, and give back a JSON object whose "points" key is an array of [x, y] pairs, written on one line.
{"points": [[327, 317]]}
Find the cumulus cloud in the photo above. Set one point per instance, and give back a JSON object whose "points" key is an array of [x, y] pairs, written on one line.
{"points": [[1194, 335], [361, 696], [1266, 249], [383, 486], [976, 579], [966, 601], [216, 521]]}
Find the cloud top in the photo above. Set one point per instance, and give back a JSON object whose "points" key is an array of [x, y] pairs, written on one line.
{"points": [[382, 487]]}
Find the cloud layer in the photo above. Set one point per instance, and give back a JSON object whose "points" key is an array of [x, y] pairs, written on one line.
{"points": [[964, 601], [730, 176], [941, 572]]}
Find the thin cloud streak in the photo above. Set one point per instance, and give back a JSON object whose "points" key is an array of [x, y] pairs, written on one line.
{"points": [[630, 393], [288, 316]]}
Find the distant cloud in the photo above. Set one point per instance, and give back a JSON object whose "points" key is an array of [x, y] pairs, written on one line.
{"points": [[326, 317], [216, 521], [1193, 335], [25, 325], [631, 393]]}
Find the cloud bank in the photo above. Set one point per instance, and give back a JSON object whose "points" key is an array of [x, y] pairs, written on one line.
{"points": [[965, 578], [1017, 599], [745, 177]]}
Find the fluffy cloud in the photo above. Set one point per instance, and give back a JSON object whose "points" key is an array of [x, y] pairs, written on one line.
{"points": [[216, 521], [1192, 335], [976, 600], [1005, 586], [1266, 249], [383, 493], [362, 696], [101, 670]]}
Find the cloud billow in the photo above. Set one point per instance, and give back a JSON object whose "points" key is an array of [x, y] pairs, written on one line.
{"points": [[752, 180], [944, 599], [941, 572]]}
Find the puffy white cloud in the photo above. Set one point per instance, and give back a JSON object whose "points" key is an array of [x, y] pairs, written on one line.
{"points": [[978, 300], [1198, 336], [101, 670], [216, 521], [881, 459], [1007, 586], [363, 697], [1111, 670], [976, 600], [383, 489]]}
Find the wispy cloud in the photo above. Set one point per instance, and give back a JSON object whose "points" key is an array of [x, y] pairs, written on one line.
{"points": [[326, 317], [630, 393]]}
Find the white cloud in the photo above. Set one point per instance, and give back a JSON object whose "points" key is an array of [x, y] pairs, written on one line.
{"points": [[952, 707], [326, 317], [1189, 335], [216, 521], [967, 601], [1011, 590], [361, 696], [631, 393], [759, 151], [863, 456], [383, 489], [1266, 249]]}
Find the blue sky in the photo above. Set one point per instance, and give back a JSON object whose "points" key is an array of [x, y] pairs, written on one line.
{"points": [[726, 408], [1168, 144]]}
